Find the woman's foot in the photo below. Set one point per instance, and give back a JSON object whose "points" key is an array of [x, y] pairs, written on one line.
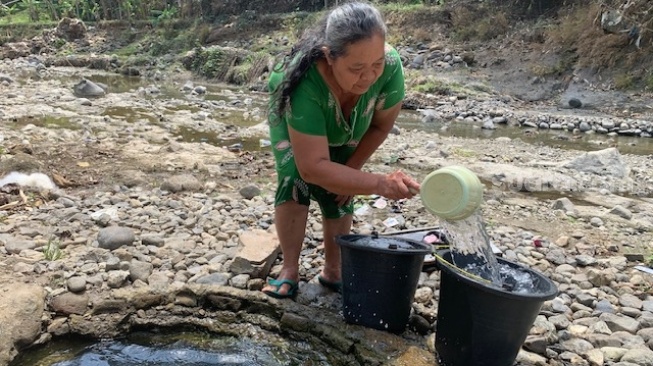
{"points": [[284, 286], [330, 279], [335, 286]]}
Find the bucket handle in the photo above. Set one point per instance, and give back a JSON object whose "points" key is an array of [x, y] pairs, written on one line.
{"points": [[452, 266]]}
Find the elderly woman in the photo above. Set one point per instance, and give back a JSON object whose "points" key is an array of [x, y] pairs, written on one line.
{"points": [[333, 101]]}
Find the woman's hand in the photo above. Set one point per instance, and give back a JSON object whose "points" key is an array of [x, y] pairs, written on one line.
{"points": [[398, 185]]}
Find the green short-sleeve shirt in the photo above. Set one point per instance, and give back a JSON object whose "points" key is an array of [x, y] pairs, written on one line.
{"points": [[313, 110]]}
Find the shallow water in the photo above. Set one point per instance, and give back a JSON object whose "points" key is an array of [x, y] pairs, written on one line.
{"points": [[181, 349], [242, 99], [511, 279], [385, 243]]}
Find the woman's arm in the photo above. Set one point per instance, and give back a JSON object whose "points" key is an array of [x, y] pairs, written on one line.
{"points": [[380, 127], [311, 155]]}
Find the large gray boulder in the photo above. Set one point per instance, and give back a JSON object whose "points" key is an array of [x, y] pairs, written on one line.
{"points": [[606, 162], [89, 89]]}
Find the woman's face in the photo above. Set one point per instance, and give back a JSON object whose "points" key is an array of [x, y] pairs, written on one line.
{"points": [[360, 66]]}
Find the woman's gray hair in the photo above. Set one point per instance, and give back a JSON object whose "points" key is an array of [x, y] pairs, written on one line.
{"points": [[350, 23], [346, 24]]}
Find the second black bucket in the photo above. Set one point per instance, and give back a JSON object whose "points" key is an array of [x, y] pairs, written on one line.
{"points": [[379, 279], [479, 324]]}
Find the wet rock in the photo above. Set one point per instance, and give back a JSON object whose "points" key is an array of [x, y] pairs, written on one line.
{"points": [[419, 324], [59, 327], [88, 89], [114, 237]]}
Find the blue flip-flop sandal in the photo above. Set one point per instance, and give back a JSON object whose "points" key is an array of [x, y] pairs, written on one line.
{"points": [[333, 286], [292, 291]]}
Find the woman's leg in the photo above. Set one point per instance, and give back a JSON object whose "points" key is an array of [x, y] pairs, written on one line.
{"points": [[332, 228], [290, 220]]}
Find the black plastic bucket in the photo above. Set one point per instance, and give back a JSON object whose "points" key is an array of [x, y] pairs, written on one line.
{"points": [[482, 325], [379, 279]]}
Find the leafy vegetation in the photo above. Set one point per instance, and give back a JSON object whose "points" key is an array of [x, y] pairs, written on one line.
{"points": [[52, 250], [432, 85], [649, 81]]}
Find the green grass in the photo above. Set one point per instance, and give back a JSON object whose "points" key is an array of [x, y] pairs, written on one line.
{"points": [[649, 81], [401, 7], [624, 81], [463, 153], [129, 50], [21, 17]]}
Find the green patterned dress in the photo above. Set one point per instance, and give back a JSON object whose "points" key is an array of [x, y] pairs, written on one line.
{"points": [[314, 111]]}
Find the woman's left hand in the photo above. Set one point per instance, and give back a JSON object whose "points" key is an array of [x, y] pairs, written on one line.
{"points": [[343, 200]]}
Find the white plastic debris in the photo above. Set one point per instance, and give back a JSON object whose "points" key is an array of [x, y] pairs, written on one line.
{"points": [[644, 269], [363, 210], [380, 203], [391, 221]]}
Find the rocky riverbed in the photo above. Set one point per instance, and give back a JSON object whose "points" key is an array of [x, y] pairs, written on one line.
{"points": [[160, 183]]}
